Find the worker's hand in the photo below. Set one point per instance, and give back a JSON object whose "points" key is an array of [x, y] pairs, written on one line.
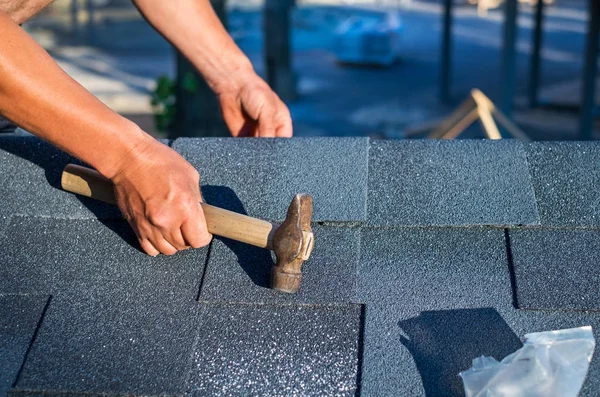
{"points": [[251, 109], [158, 193]]}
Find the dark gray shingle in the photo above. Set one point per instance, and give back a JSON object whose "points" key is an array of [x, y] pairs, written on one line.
{"points": [[45, 393], [238, 272], [276, 350], [262, 175], [556, 269], [19, 318], [120, 321], [82, 258], [137, 343], [436, 299], [30, 185], [565, 176], [449, 183]]}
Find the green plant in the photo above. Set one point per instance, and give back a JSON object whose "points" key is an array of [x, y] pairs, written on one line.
{"points": [[163, 103], [163, 99]]}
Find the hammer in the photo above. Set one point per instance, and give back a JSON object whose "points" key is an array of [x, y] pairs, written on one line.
{"points": [[292, 240]]}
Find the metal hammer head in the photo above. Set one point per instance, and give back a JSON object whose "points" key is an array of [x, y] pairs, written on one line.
{"points": [[293, 242]]}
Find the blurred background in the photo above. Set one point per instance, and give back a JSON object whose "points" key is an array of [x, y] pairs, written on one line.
{"points": [[377, 68]]}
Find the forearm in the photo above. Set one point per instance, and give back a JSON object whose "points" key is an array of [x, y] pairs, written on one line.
{"points": [[193, 27], [36, 94]]}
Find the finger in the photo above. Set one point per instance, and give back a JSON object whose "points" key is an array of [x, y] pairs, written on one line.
{"points": [[266, 122], [285, 129], [283, 119], [232, 112], [194, 230], [195, 234], [145, 243], [148, 247], [162, 245], [175, 238]]}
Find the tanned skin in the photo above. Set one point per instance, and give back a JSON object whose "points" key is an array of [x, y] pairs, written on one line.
{"points": [[156, 189]]}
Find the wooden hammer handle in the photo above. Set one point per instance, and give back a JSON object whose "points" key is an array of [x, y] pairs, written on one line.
{"points": [[220, 222]]}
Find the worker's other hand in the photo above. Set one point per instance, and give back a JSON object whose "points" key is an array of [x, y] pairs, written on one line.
{"points": [[158, 193], [251, 109]]}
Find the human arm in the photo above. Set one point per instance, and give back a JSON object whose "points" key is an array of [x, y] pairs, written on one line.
{"points": [[157, 190], [249, 106]]}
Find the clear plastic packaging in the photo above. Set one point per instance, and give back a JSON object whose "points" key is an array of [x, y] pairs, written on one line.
{"points": [[550, 364]]}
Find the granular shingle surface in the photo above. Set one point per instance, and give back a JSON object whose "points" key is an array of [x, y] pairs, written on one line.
{"points": [[19, 318], [31, 183], [132, 343], [435, 299], [269, 350], [564, 176], [556, 269], [449, 183], [393, 305], [81, 258], [262, 175], [120, 321], [43, 393], [238, 272]]}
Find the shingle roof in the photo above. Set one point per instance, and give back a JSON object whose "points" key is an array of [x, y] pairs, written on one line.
{"points": [[426, 255], [265, 174]]}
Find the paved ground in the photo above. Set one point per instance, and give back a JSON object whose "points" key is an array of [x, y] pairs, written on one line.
{"points": [[127, 56]]}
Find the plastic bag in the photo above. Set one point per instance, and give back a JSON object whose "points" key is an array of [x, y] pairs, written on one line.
{"points": [[550, 364]]}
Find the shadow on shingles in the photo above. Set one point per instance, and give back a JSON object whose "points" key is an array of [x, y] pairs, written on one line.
{"points": [[444, 343], [53, 161], [256, 262], [44, 157]]}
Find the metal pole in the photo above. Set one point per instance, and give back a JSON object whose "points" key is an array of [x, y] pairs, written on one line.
{"points": [[446, 52], [91, 27], [534, 75], [588, 89], [277, 48], [509, 80]]}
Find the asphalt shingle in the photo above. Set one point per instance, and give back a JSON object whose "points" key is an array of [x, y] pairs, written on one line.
{"points": [[449, 183], [31, 183], [83, 258], [38, 393], [263, 175], [139, 344], [120, 321], [4, 221], [19, 318], [238, 272], [564, 176], [436, 299], [282, 350], [556, 269], [44, 393]]}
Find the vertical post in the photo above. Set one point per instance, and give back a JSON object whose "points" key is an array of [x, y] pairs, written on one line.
{"points": [[446, 52], [509, 80], [197, 111], [588, 89], [534, 75], [74, 10], [278, 56], [91, 27]]}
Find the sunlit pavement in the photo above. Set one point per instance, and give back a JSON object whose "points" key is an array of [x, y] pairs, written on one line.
{"points": [[344, 100]]}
